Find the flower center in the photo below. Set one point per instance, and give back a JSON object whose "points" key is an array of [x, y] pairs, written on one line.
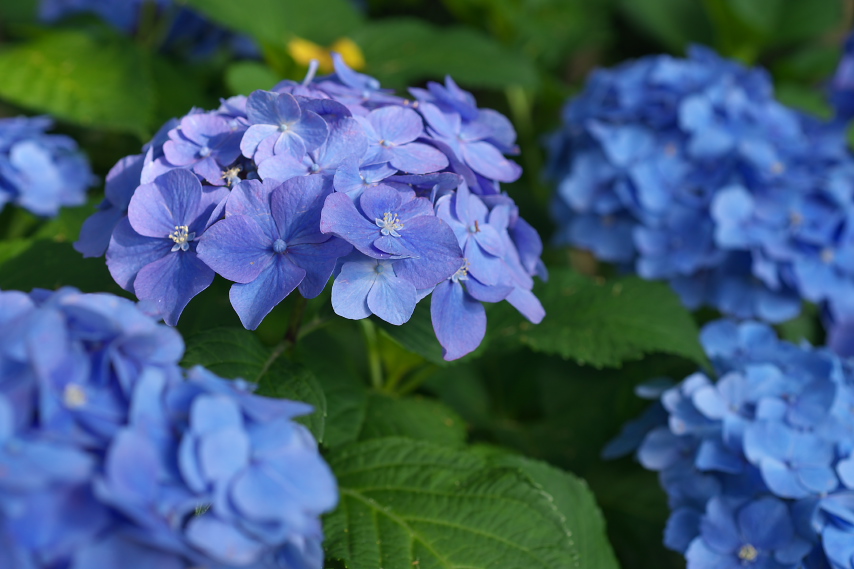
{"points": [[231, 175], [462, 273], [182, 237], [204, 151], [474, 228], [827, 255], [748, 553], [279, 246], [389, 224], [74, 396], [284, 127]]}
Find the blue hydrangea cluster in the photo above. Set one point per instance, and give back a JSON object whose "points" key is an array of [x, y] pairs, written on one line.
{"points": [[758, 465], [111, 455], [38, 171], [282, 189], [689, 170]]}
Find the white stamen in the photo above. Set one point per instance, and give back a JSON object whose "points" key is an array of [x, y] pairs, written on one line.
{"points": [[182, 237], [389, 224]]}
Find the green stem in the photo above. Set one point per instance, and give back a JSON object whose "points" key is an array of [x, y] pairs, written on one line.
{"points": [[520, 107], [374, 362], [417, 379], [293, 333]]}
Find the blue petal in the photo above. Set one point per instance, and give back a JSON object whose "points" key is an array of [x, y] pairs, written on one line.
{"points": [[255, 300], [458, 319]]}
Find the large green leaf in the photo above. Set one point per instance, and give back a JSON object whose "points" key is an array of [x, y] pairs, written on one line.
{"points": [[674, 23], [603, 323], [102, 82], [234, 352], [26, 264], [276, 21], [411, 504], [402, 51]]}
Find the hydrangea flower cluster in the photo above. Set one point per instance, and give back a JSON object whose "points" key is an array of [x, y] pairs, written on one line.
{"points": [[758, 466], [111, 455], [689, 170], [280, 190], [38, 171]]}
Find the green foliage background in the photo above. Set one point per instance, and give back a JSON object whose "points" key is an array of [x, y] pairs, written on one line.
{"points": [[491, 452]]}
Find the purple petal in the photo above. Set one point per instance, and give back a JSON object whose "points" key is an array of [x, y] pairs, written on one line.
{"points": [[173, 199], [527, 304], [488, 161], [458, 319], [283, 167], [287, 143], [766, 524], [312, 129], [171, 282], [132, 467], [296, 207], [96, 232], [341, 218], [391, 298], [351, 287], [318, 260], [123, 179], [440, 255], [346, 140], [129, 252], [254, 301], [396, 125], [265, 107], [222, 541], [378, 201], [253, 137], [224, 453], [417, 158], [236, 248]]}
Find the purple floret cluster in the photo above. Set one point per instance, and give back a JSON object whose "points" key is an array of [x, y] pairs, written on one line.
{"points": [[689, 170], [334, 176], [111, 455], [758, 465], [40, 172]]}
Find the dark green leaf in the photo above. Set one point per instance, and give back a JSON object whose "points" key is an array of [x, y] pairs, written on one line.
{"points": [[412, 504], [417, 335], [95, 82], [603, 323], [276, 21], [411, 417], [574, 500], [402, 51], [234, 352], [44, 263]]}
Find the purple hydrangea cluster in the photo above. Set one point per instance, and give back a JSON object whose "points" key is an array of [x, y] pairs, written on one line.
{"points": [[689, 170], [38, 171], [283, 189], [111, 455], [758, 465]]}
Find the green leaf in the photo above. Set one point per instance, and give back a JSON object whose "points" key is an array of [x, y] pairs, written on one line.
{"points": [[95, 82], [416, 335], [413, 504], [402, 51], [603, 323], [411, 417], [573, 499], [236, 353], [244, 77], [276, 21], [26, 264]]}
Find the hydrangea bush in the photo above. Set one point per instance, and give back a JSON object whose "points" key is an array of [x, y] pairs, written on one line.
{"points": [[689, 170], [40, 172], [282, 189], [112, 454], [757, 465]]}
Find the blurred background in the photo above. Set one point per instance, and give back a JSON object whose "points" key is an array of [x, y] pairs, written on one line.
{"points": [[112, 72]]}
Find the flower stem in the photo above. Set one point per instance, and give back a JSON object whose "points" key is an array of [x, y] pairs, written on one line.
{"points": [[374, 363], [293, 333]]}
